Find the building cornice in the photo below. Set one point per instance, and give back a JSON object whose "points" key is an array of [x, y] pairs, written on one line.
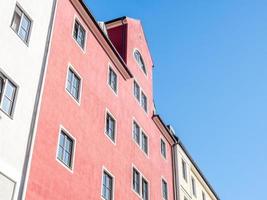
{"points": [[103, 40], [163, 128]]}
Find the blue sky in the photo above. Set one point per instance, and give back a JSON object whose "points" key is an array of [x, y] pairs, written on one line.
{"points": [[210, 82]]}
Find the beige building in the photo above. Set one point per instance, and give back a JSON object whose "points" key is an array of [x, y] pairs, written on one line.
{"points": [[190, 182]]}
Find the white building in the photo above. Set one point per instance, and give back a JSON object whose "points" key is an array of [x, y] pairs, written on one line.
{"points": [[190, 182], [25, 26]]}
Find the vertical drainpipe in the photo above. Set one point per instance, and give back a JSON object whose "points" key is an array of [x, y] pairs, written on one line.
{"points": [[36, 105], [176, 185]]}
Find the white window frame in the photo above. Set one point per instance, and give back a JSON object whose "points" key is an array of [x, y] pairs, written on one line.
{"points": [[70, 169], [141, 130], [140, 96], [104, 169], [161, 139], [107, 112], [140, 184], [71, 68], [140, 68], [117, 82], [186, 170], [24, 13], [163, 179], [80, 21], [7, 78], [194, 186]]}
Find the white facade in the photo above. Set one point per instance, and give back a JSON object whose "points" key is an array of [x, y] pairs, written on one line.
{"points": [[21, 62], [186, 172]]}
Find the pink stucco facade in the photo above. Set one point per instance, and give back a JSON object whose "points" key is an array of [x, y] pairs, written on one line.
{"points": [[85, 121]]}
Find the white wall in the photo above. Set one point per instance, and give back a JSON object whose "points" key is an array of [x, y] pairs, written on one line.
{"points": [[185, 187], [22, 63]]}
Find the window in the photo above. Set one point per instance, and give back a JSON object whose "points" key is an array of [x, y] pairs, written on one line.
{"points": [[144, 189], [184, 168], [140, 137], [139, 60], [107, 186], [21, 24], [194, 187], [79, 34], [163, 148], [144, 143], [140, 185], [137, 91], [140, 96], [7, 95], [136, 132], [164, 190], [203, 196], [112, 80], [110, 127], [144, 101], [136, 181], [65, 149], [73, 84]]}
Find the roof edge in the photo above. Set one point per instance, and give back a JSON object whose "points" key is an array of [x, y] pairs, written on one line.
{"points": [[128, 73], [179, 142]]}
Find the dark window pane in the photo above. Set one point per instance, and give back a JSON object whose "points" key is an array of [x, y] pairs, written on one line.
{"points": [[163, 148], [139, 60], [110, 127], [184, 170], [144, 143], [107, 187], [112, 79], [65, 149], [144, 101], [164, 190], [79, 34], [73, 84], [136, 181], [144, 189], [136, 91], [136, 133]]}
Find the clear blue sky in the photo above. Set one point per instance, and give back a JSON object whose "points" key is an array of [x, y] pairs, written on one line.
{"points": [[210, 82]]}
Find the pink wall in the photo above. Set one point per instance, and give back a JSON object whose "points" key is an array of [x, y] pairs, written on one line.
{"points": [[48, 179]]}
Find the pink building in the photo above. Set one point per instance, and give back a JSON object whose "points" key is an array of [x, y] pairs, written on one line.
{"points": [[97, 135]]}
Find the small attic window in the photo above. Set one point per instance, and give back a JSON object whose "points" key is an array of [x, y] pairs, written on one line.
{"points": [[139, 60]]}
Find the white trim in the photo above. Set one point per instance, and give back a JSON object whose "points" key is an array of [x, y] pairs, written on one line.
{"points": [[117, 78], [140, 137], [140, 184], [147, 108], [140, 94], [140, 68], [193, 179], [24, 13], [161, 138], [71, 168], [70, 67], [165, 180], [104, 169], [107, 111], [187, 169], [138, 100], [8, 79], [80, 21]]}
